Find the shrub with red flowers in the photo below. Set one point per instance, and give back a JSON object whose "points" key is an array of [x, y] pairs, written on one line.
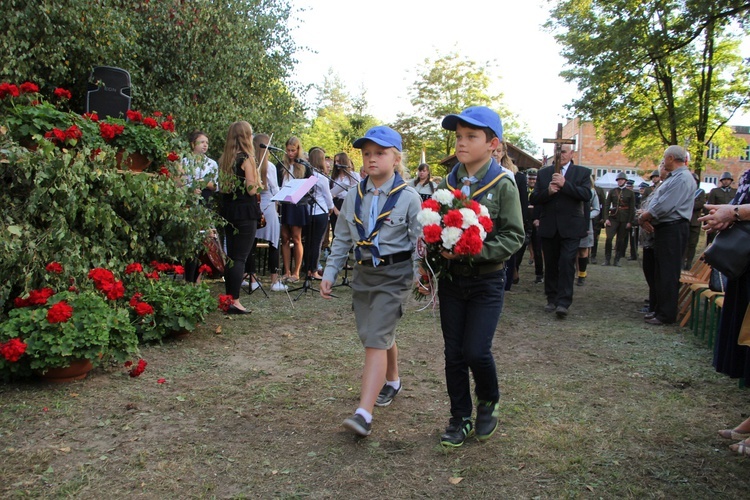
{"points": [[451, 222], [146, 135]]}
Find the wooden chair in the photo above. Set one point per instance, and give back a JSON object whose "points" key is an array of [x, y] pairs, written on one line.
{"points": [[691, 285]]}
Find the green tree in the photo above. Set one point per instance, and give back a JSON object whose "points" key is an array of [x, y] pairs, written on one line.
{"points": [[654, 73], [448, 85]]}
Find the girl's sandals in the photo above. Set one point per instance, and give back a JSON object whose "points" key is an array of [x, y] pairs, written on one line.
{"points": [[734, 434]]}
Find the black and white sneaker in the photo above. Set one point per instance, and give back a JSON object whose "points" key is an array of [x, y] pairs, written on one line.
{"points": [[387, 393], [356, 423]]}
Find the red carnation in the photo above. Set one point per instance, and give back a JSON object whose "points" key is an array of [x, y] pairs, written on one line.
{"points": [[8, 89], [150, 122], [134, 116], [458, 194], [432, 233], [172, 156], [225, 301], [453, 218], [62, 93], [431, 204], [29, 88], [54, 267], [470, 243], [204, 269], [12, 350], [473, 205], [486, 223], [91, 116], [143, 309], [135, 267], [140, 368], [39, 297], [60, 312]]}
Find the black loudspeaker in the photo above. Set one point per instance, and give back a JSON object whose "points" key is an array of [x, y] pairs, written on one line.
{"points": [[108, 92]]}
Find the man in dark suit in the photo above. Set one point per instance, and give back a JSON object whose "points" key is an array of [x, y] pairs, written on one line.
{"points": [[562, 199]]}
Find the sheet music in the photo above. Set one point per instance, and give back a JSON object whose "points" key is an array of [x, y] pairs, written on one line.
{"points": [[294, 190]]}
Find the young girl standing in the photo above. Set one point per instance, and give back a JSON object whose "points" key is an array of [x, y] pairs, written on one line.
{"points": [[378, 218], [293, 217]]}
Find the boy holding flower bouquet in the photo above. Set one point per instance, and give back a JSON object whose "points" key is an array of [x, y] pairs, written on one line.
{"points": [[481, 231]]}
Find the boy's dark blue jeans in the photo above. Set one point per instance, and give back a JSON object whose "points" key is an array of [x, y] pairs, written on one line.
{"points": [[470, 309]]}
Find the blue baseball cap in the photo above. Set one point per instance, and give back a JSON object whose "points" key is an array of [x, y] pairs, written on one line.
{"points": [[478, 116], [381, 135]]}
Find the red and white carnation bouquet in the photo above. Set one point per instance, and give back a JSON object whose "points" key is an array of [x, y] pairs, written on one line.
{"points": [[452, 223]]}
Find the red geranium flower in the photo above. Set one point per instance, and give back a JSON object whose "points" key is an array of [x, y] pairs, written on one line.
{"points": [[164, 171], [55, 135], [91, 116], [28, 88], [179, 270], [8, 89], [73, 132], [134, 116], [135, 267], [135, 299], [172, 156], [204, 269], [12, 350], [150, 122], [39, 297], [115, 291], [168, 125], [60, 312], [225, 301], [453, 219], [158, 113], [143, 309], [431, 204], [154, 275], [62, 93], [432, 233], [138, 369], [109, 131], [54, 267], [102, 278]]}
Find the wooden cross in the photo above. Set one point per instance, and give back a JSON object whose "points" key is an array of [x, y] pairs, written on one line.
{"points": [[558, 141]]}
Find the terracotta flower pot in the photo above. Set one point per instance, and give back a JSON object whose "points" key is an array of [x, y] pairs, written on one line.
{"points": [[77, 370], [136, 162]]}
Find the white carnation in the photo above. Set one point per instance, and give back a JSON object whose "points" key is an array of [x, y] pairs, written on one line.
{"points": [[483, 211], [427, 217], [482, 233], [450, 236], [443, 196], [470, 218]]}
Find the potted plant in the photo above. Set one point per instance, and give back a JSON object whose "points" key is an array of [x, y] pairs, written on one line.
{"points": [[178, 307], [142, 140], [47, 330]]}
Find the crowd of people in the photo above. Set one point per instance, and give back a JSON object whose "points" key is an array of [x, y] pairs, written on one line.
{"points": [[556, 212]]}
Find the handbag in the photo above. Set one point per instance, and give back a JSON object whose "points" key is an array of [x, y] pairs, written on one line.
{"points": [[730, 251], [717, 282]]}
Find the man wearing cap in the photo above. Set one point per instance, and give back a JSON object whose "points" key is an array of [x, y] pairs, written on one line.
{"points": [[722, 195], [562, 199], [668, 216], [619, 211], [536, 240]]}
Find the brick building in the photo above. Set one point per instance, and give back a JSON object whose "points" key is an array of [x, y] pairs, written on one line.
{"points": [[592, 153]]}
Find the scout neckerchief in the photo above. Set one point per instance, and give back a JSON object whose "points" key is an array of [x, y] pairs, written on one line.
{"points": [[491, 177], [390, 202]]}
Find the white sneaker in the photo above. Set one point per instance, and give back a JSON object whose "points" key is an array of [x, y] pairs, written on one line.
{"points": [[255, 286], [245, 283], [279, 287]]}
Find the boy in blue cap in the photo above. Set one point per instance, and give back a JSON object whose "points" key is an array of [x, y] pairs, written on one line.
{"points": [[379, 219], [471, 297]]}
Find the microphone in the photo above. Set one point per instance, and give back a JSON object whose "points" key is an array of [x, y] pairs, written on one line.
{"points": [[272, 148], [303, 162]]}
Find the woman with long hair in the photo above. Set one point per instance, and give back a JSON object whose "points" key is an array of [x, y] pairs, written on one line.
{"points": [[239, 186], [321, 208], [344, 178], [423, 182], [293, 217]]}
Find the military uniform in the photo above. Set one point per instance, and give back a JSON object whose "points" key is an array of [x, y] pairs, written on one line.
{"points": [[620, 211]]}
